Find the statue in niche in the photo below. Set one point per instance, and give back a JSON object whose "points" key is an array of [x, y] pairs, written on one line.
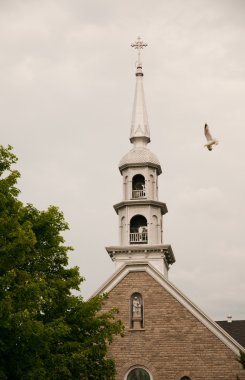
{"points": [[137, 312]]}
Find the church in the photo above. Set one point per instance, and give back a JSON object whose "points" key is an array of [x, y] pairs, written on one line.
{"points": [[166, 335]]}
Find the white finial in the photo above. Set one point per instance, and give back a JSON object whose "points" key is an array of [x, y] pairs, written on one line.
{"points": [[229, 318], [139, 45]]}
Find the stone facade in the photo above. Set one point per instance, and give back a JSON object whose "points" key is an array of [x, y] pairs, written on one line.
{"points": [[172, 343]]}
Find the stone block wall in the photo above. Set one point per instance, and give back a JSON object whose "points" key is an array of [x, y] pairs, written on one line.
{"points": [[173, 343]]}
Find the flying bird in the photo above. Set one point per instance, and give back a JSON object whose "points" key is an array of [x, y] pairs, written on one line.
{"points": [[210, 140]]}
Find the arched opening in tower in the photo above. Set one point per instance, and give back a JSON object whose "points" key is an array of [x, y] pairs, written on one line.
{"points": [[138, 230], [138, 186]]}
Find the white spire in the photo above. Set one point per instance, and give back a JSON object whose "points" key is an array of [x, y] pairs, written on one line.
{"points": [[140, 133]]}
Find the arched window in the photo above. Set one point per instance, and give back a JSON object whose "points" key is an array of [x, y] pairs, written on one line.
{"points": [[185, 378], [136, 311], [138, 374], [138, 186], [138, 230]]}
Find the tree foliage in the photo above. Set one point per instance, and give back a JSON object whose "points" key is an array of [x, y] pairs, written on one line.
{"points": [[241, 359], [46, 332]]}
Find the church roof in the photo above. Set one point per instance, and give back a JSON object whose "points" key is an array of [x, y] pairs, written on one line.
{"points": [[139, 156], [236, 329]]}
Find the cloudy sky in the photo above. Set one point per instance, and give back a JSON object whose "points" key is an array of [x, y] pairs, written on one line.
{"points": [[66, 95]]}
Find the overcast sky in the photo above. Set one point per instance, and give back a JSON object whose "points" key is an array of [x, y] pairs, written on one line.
{"points": [[66, 96]]}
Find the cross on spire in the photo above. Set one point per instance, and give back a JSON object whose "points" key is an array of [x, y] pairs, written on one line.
{"points": [[139, 45]]}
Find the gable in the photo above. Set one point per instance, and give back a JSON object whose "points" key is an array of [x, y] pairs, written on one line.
{"points": [[174, 336], [165, 288]]}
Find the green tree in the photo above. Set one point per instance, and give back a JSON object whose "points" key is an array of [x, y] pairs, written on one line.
{"points": [[241, 359], [46, 332]]}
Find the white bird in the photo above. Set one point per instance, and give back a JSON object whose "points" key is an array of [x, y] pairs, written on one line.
{"points": [[210, 140]]}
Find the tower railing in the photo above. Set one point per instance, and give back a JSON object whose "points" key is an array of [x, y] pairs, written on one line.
{"points": [[138, 194], [138, 237]]}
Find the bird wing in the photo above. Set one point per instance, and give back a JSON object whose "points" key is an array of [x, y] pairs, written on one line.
{"points": [[207, 133]]}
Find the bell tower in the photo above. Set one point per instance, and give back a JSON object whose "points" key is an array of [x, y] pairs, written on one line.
{"points": [[140, 213]]}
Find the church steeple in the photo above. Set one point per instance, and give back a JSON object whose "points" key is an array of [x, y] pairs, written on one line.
{"points": [[140, 212], [140, 133]]}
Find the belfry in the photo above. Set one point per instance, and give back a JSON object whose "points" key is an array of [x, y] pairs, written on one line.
{"points": [[140, 212], [166, 335]]}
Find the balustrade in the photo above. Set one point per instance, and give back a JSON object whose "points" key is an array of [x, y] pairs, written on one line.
{"points": [[138, 193], [138, 237]]}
